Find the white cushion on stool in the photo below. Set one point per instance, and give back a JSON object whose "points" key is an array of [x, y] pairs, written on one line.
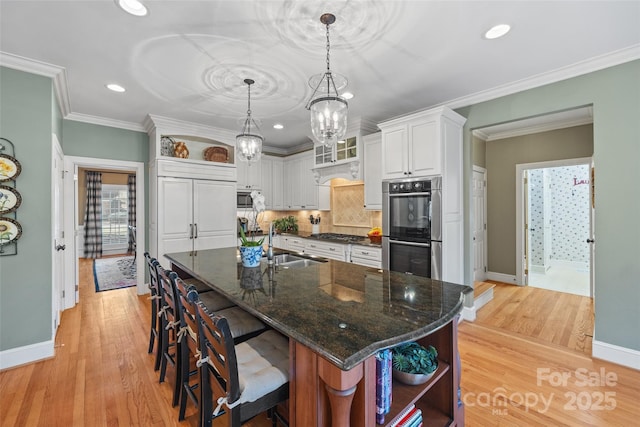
{"points": [[240, 322], [263, 365]]}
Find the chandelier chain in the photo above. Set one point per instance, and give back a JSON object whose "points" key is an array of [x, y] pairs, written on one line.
{"points": [[328, 48]]}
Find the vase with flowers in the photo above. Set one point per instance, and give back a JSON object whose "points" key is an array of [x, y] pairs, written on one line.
{"points": [[250, 248]]}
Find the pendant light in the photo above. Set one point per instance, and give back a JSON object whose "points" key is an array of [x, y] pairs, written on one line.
{"points": [[328, 110], [249, 143]]}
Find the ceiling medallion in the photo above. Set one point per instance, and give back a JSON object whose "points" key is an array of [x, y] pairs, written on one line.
{"points": [[328, 110], [249, 143]]}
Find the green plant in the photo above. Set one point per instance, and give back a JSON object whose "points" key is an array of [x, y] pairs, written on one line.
{"points": [[249, 241], [287, 224], [413, 358]]}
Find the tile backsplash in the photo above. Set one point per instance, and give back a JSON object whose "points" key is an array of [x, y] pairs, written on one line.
{"points": [[347, 214]]}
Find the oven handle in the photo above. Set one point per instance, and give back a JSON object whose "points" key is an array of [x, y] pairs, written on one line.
{"points": [[427, 193], [400, 242]]}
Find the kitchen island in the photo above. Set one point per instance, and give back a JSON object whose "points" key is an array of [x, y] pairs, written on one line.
{"points": [[337, 316]]}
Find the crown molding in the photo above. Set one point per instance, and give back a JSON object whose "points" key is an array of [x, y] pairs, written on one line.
{"points": [[545, 123], [95, 120], [587, 66], [56, 73]]}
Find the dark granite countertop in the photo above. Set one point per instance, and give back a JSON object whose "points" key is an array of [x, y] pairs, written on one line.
{"points": [[306, 235], [342, 311]]}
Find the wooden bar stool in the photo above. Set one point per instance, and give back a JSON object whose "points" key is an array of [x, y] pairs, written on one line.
{"points": [[243, 326], [242, 380], [154, 330]]}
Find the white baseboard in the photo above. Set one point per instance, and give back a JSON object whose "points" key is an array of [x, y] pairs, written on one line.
{"points": [[538, 269], [616, 354], [500, 277], [468, 314], [483, 299], [27, 354]]}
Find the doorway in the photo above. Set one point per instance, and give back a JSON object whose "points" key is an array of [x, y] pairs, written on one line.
{"points": [[479, 188], [72, 165], [555, 225]]}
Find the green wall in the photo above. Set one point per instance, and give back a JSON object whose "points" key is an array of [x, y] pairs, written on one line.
{"points": [[502, 156], [615, 96], [103, 142], [27, 119]]}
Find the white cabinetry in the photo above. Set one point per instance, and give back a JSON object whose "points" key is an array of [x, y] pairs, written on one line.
{"points": [[300, 188], [192, 215], [414, 145], [372, 150], [273, 182], [343, 151], [192, 202], [370, 256], [430, 143], [249, 175], [331, 250]]}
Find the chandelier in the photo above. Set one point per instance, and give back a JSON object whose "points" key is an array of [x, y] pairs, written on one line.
{"points": [[328, 110], [248, 143]]}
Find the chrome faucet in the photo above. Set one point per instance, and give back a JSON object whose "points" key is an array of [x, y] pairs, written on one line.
{"points": [[270, 246]]}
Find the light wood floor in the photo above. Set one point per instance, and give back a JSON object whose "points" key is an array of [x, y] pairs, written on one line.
{"points": [[102, 375], [555, 317]]}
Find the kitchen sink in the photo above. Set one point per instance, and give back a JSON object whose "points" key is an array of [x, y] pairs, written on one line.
{"points": [[287, 260], [301, 263]]}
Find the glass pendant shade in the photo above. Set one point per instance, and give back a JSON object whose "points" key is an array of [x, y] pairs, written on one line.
{"points": [[327, 109], [328, 119], [249, 143]]}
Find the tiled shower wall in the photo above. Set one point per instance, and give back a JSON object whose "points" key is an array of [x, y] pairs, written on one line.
{"points": [[566, 196]]}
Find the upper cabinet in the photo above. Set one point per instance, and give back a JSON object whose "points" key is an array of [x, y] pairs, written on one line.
{"points": [[272, 182], [415, 145], [372, 149], [250, 175], [344, 150], [344, 159], [301, 191]]}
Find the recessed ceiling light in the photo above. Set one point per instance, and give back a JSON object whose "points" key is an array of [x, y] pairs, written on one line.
{"points": [[497, 31], [278, 126], [115, 87], [347, 95], [134, 7]]}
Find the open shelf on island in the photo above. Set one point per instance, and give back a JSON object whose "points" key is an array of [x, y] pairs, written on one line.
{"points": [[404, 395]]}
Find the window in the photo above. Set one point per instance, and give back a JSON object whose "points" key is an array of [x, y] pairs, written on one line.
{"points": [[115, 215]]}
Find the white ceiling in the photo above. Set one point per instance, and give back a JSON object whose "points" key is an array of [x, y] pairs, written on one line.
{"points": [[187, 59]]}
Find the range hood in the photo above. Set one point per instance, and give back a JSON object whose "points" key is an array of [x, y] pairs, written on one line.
{"points": [[348, 170]]}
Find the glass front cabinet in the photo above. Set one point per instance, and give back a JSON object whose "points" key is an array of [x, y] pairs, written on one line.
{"points": [[344, 150]]}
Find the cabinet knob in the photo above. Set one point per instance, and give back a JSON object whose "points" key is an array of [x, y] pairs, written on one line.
{"points": [[408, 173]]}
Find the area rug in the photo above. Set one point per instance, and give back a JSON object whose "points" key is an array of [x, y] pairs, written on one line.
{"points": [[114, 273]]}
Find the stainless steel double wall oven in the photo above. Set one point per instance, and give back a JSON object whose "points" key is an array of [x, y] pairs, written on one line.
{"points": [[412, 226]]}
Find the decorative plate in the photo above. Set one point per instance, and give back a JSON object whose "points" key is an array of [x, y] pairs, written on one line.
{"points": [[10, 230], [9, 168], [10, 199]]}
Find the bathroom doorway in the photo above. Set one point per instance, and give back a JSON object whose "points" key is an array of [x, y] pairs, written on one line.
{"points": [[556, 225]]}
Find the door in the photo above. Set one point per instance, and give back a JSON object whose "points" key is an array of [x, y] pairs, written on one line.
{"points": [[57, 171], [526, 262], [175, 215], [479, 185], [214, 215], [592, 239]]}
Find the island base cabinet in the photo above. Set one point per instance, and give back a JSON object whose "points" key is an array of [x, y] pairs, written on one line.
{"points": [[323, 395]]}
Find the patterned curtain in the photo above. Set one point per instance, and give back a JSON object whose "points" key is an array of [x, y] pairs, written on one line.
{"points": [[131, 187], [93, 216]]}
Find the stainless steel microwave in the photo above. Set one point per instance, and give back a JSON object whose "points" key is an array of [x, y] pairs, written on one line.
{"points": [[244, 200]]}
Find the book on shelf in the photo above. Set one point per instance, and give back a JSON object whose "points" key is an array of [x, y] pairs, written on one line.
{"points": [[404, 416], [383, 384], [414, 419]]}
